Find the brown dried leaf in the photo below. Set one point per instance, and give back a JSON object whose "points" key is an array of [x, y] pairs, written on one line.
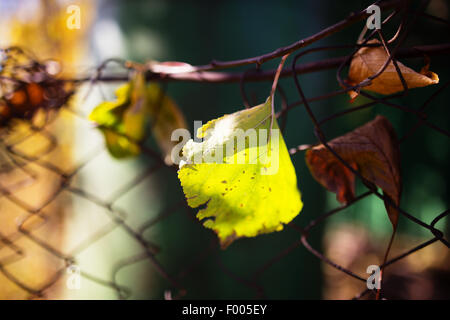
{"points": [[369, 60], [372, 150], [165, 118]]}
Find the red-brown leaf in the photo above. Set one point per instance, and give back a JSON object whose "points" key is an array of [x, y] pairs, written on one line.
{"points": [[372, 150]]}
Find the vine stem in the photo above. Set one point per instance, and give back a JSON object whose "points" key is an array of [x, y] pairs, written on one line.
{"points": [[352, 18], [383, 266], [258, 60], [274, 88], [267, 75], [277, 75]]}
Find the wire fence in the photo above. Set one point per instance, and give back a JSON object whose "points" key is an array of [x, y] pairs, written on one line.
{"points": [[63, 178]]}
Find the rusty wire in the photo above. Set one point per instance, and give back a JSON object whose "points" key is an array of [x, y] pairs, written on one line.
{"points": [[150, 250]]}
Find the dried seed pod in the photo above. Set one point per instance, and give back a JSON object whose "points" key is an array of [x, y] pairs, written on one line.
{"points": [[26, 87]]}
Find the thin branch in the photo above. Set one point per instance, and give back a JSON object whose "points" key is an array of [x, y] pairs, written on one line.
{"points": [[225, 77], [352, 18]]}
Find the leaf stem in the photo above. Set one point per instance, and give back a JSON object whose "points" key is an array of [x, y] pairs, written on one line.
{"points": [[272, 93]]}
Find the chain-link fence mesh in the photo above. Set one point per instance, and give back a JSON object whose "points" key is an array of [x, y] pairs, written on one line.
{"points": [[37, 226]]}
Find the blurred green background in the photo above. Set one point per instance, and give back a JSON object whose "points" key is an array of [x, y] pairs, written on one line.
{"points": [[197, 32]]}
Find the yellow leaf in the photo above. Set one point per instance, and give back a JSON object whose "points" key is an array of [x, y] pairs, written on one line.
{"points": [[125, 122], [256, 195]]}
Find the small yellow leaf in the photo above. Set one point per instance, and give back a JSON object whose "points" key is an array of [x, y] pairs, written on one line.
{"points": [[125, 122], [122, 132]]}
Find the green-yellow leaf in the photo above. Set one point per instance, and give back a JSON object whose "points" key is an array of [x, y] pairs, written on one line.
{"points": [[249, 191], [125, 122], [121, 121]]}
